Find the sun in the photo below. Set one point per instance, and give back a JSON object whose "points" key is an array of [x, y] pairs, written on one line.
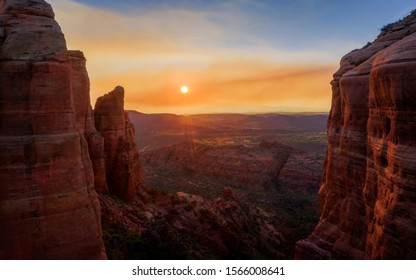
{"points": [[184, 89]]}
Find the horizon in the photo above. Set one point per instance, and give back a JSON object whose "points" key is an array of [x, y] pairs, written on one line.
{"points": [[238, 113], [237, 56]]}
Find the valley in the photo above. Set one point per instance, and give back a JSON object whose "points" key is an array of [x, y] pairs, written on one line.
{"points": [[230, 176], [83, 181]]}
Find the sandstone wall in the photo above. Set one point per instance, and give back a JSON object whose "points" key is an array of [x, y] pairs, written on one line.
{"points": [[367, 196], [48, 205]]}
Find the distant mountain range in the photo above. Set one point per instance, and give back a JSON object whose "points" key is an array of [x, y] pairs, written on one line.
{"points": [[151, 123]]}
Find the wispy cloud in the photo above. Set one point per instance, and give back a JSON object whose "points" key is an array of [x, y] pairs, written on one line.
{"points": [[247, 87], [152, 52]]}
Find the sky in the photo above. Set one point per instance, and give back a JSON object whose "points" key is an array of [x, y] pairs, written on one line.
{"points": [[242, 56]]}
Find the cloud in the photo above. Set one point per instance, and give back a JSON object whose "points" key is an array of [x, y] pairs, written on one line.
{"points": [[244, 87], [152, 52]]}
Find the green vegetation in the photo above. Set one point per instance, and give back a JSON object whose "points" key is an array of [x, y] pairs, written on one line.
{"points": [[160, 241], [121, 243], [389, 26], [249, 162]]}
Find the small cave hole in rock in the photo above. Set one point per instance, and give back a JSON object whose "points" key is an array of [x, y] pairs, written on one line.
{"points": [[383, 161], [388, 125]]}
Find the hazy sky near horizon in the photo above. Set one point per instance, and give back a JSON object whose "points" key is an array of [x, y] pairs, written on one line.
{"points": [[235, 56]]}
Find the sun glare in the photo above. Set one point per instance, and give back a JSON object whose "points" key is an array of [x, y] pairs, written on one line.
{"points": [[184, 89]]}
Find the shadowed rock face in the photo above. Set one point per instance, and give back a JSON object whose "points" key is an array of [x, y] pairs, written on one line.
{"points": [[84, 118], [121, 154], [368, 195], [48, 205]]}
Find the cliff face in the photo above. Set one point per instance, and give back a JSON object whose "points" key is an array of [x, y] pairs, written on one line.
{"points": [[120, 152], [48, 206], [84, 119], [367, 197]]}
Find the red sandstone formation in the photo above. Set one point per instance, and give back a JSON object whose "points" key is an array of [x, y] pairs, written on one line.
{"points": [[121, 155], [251, 168], [367, 198], [48, 205], [187, 226], [84, 119]]}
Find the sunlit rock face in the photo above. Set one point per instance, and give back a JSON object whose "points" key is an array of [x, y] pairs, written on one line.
{"points": [[48, 204], [367, 197], [120, 151]]}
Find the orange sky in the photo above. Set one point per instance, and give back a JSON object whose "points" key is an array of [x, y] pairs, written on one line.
{"points": [[153, 53]]}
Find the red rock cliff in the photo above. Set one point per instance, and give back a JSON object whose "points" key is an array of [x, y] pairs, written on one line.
{"points": [[368, 195], [48, 206], [121, 154], [84, 119]]}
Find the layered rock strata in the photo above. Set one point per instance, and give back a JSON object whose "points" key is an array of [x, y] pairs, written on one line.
{"points": [[84, 118], [367, 197], [120, 152], [48, 205]]}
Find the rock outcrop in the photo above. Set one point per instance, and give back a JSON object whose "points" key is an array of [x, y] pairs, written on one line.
{"points": [[48, 205], [120, 152], [84, 119], [187, 226], [253, 168], [367, 197]]}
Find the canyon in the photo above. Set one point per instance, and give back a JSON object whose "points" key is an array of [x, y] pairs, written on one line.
{"points": [[264, 169], [84, 183]]}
